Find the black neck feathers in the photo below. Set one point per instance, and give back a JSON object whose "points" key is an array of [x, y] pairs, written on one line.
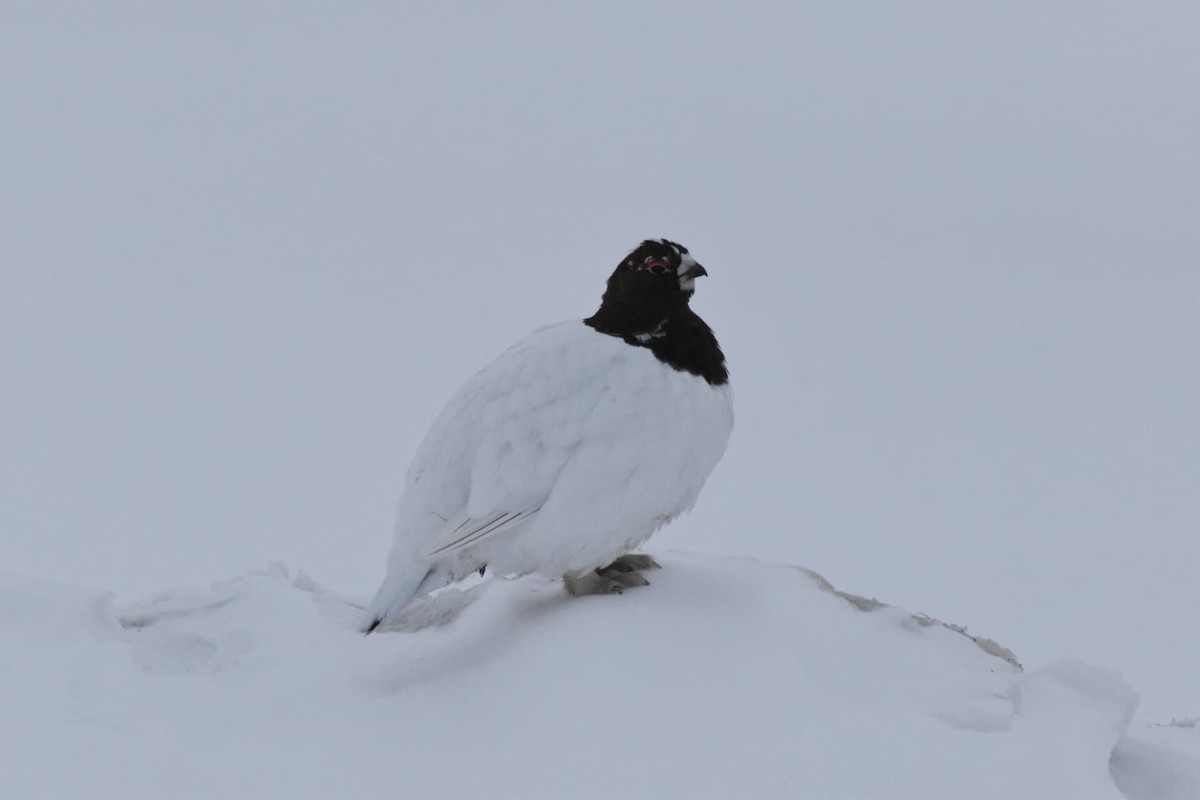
{"points": [[681, 339]]}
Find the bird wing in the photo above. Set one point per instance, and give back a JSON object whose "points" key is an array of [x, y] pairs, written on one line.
{"points": [[492, 457], [472, 531]]}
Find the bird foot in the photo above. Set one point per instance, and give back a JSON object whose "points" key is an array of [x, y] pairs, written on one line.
{"points": [[632, 562], [602, 582]]}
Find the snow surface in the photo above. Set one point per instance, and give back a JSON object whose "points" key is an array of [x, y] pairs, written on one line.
{"points": [[725, 678]]}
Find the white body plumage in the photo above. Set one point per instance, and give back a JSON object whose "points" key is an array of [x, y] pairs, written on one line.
{"points": [[564, 453]]}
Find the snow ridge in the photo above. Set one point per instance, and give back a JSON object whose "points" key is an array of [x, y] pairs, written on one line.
{"points": [[727, 677]]}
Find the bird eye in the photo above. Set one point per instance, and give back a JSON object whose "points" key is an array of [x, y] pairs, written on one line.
{"points": [[656, 265]]}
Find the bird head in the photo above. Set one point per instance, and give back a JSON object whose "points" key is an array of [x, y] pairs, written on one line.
{"points": [[658, 272]]}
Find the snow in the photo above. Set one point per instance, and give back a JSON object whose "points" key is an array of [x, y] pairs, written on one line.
{"points": [[726, 677]]}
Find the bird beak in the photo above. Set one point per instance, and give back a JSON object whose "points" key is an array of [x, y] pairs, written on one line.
{"points": [[694, 271]]}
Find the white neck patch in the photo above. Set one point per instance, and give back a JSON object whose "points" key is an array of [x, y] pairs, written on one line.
{"points": [[657, 333], [686, 282]]}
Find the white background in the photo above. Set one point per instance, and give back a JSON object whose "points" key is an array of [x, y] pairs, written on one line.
{"points": [[247, 250]]}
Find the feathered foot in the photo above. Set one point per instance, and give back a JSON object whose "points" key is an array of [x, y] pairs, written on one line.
{"points": [[596, 582], [618, 576], [632, 562]]}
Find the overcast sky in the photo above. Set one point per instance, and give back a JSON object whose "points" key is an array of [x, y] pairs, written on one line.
{"points": [[248, 250]]}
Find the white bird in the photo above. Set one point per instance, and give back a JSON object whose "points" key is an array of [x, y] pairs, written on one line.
{"points": [[573, 447]]}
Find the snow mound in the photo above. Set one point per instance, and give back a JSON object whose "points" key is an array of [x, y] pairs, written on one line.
{"points": [[725, 678]]}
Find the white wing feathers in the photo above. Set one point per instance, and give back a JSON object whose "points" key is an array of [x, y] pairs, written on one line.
{"points": [[472, 531], [504, 439]]}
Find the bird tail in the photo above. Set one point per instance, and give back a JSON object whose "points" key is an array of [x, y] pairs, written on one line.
{"points": [[397, 591]]}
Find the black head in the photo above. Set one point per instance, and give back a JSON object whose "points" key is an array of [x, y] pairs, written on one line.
{"points": [[646, 304], [658, 273]]}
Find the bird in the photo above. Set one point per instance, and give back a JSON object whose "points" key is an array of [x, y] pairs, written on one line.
{"points": [[571, 448]]}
